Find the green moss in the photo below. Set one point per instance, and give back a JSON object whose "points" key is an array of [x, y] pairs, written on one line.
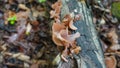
{"points": [[116, 9], [12, 20], [42, 1]]}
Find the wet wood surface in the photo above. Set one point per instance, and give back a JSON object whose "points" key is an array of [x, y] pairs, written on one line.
{"points": [[91, 55]]}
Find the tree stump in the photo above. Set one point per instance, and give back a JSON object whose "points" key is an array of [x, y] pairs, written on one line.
{"points": [[91, 55]]}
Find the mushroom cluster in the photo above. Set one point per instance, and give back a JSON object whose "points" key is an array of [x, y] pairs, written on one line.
{"points": [[61, 32]]}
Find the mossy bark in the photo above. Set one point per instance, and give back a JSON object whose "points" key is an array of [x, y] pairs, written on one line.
{"points": [[116, 9]]}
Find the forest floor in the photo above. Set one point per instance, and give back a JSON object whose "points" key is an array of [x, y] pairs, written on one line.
{"points": [[26, 34]]}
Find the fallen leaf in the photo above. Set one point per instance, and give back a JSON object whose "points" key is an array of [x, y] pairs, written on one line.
{"points": [[110, 62]]}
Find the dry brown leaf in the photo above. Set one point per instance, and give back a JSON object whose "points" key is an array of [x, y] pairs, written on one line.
{"points": [[8, 14], [76, 50], [114, 48], [21, 15], [21, 56], [22, 6], [110, 62], [35, 65], [112, 36]]}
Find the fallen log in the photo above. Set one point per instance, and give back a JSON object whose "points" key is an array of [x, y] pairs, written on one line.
{"points": [[91, 55]]}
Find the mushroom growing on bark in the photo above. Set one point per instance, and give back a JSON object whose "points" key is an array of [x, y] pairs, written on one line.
{"points": [[61, 34]]}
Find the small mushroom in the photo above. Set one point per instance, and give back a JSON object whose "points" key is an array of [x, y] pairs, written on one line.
{"points": [[65, 54], [68, 21], [69, 38], [61, 35], [56, 40], [57, 8], [76, 50], [72, 26], [57, 27], [54, 14], [57, 4]]}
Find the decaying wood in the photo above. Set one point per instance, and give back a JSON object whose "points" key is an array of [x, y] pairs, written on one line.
{"points": [[91, 55]]}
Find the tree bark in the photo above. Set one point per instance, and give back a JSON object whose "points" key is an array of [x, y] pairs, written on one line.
{"points": [[91, 55]]}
